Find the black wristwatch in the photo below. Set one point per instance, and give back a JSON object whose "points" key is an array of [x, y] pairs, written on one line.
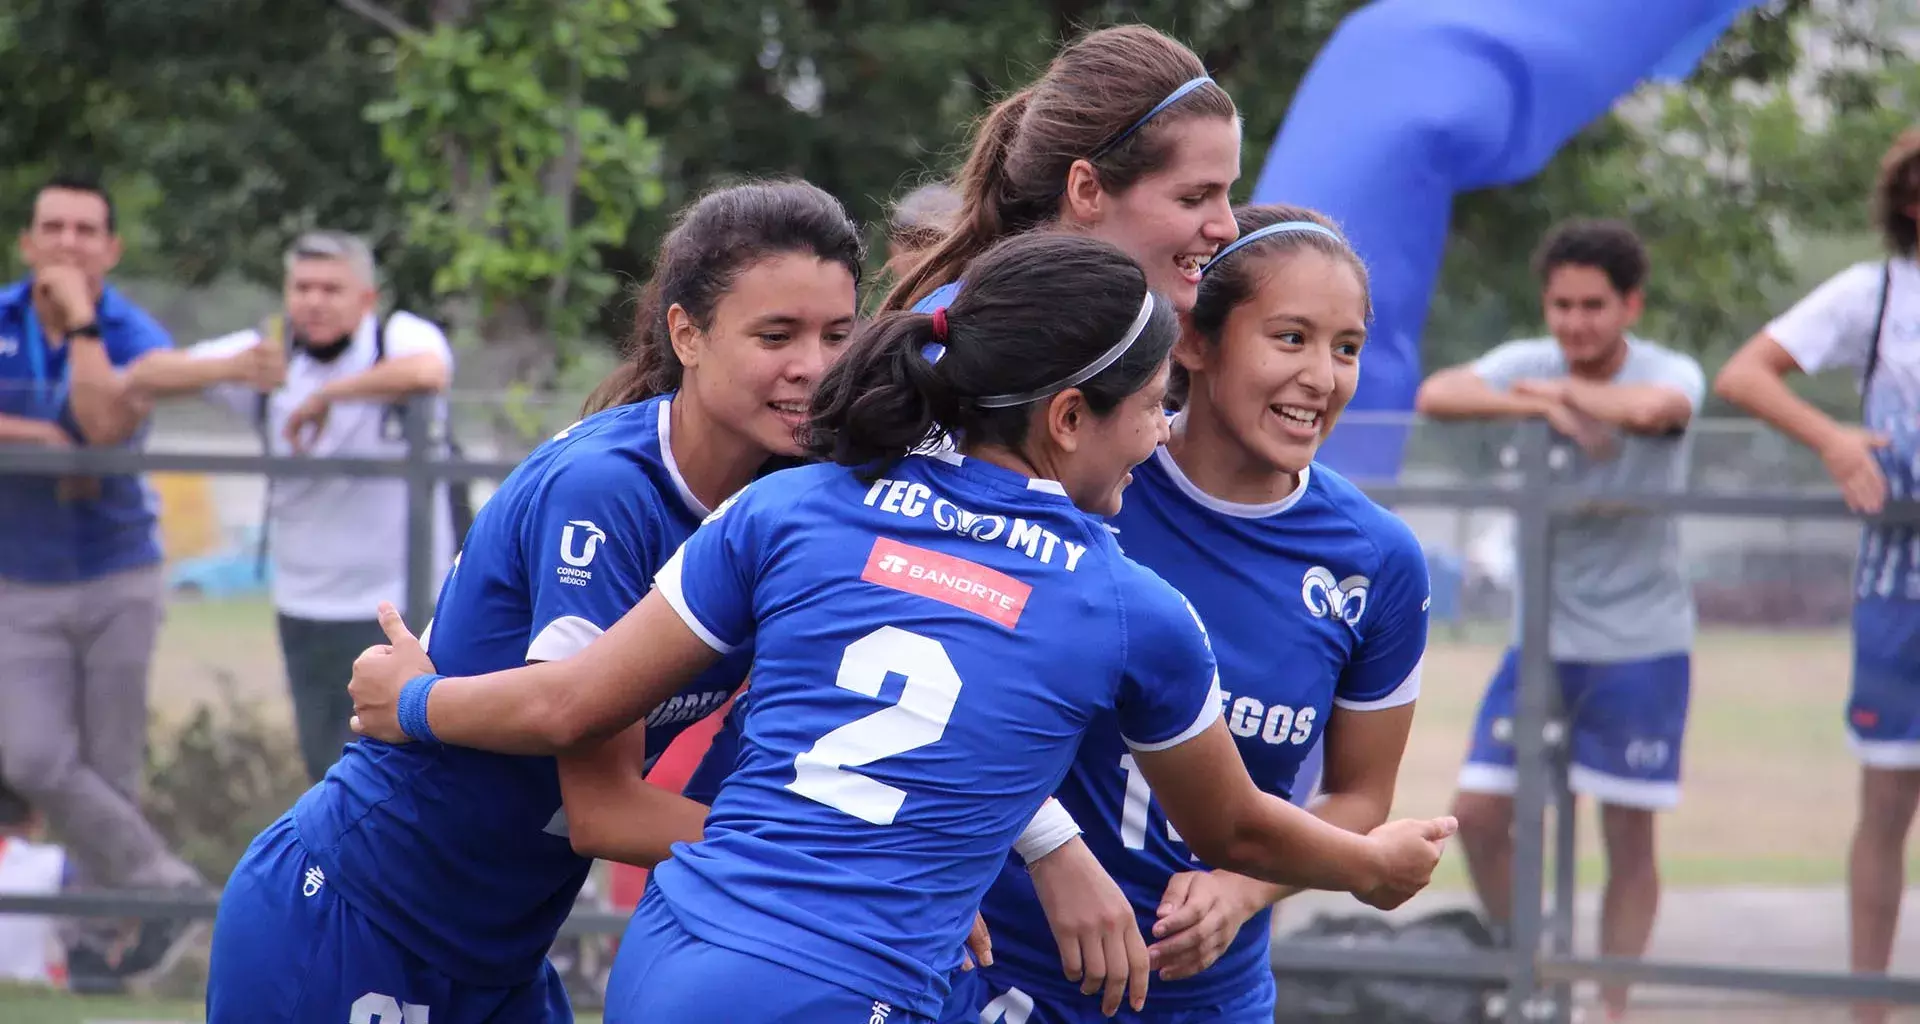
{"points": [[85, 331]]}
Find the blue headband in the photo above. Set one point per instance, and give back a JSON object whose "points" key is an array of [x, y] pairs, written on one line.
{"points": [[1173, 97], [1269, 231]]}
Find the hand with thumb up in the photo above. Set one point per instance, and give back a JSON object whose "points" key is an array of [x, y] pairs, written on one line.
{"points": [[378, 676]]}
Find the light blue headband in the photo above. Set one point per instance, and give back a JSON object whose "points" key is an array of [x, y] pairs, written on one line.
{"points": [[1173, 97], [1269, 231], [1085, 373]]}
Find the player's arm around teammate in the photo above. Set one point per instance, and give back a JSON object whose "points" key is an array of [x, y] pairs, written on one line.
{"points": [[741, 327], [1272, 354], [351, 901], [1202, 911], [1322, 581], [645, 657], [1124, 138]]}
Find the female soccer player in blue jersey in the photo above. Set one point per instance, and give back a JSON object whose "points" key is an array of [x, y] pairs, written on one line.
{"points": [[1124, 138], [415, 881], [932, 634], [1315, 600]]}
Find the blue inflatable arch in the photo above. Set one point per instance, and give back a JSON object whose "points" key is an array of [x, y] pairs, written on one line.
{"points": [[1412, 102]]}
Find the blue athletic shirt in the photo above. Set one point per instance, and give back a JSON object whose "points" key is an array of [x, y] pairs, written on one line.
{"points": [[463, 856], [1314, 601], [44, 539], [929, 649]]}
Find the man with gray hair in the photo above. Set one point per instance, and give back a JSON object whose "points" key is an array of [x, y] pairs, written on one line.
{"points": [[920, 220], [322, 378]]}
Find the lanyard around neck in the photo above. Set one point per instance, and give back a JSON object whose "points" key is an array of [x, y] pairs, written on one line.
{"points": [[37, 354]]}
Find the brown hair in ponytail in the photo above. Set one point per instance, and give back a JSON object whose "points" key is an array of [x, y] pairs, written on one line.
{"points": [[1093, 92], [1036, 308]]}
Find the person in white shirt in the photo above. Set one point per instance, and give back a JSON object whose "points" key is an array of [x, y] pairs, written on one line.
{"points": [[324, 380], [31, 951], [1866, 320]]}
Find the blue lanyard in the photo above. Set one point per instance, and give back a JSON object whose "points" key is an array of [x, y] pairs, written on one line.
{"points": [[37, 362]]}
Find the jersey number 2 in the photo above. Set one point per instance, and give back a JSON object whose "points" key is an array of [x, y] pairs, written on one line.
{"points": [[917, 718]]}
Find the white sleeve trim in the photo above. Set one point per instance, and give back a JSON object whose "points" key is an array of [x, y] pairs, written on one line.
{"points": [[1209, 712], [667, 582], [1051, 828], [562, 638], [1406, 693]]}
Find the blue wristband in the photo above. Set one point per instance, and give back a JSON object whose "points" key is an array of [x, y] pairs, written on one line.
{"points": [[411, 708]]}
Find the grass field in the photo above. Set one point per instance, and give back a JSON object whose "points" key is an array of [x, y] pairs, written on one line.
{"points": [[26, 1006], [1768, 780]]}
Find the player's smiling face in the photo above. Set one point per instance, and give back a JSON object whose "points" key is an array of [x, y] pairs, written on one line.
{"points": [[1172, 220], [1288, 360], [1106, 448], [784, 321]]}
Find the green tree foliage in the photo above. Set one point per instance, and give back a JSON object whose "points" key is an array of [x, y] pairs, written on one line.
{"points": [[1721, 175], [508, 173], [449, 131]]}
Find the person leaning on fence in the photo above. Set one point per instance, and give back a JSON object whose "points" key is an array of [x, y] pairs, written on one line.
{"points": [[80, 579], [1621, 620], [322, 378], [1866, 319]]}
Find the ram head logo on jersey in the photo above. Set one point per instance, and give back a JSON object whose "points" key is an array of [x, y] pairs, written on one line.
{"points": [[580, 555], [1345, 600], [953, 519]]}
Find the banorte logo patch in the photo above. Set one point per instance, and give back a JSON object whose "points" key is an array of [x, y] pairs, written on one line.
{"points": [[968, 586]]}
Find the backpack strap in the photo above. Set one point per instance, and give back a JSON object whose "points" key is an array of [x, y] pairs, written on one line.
{"points": [[1873, 341], [273, 331]]}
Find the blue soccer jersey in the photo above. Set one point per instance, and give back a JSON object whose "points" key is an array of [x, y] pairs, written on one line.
{"points": [[461, 855], [1315, 601], [929, 649]]}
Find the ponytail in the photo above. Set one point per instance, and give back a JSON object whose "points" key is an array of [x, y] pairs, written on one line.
{"points": [[1038, 309], [883, 399], [1109, 98], [990, 208]]}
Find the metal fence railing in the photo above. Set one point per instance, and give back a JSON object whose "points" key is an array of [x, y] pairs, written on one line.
{"points": [[1538, 965]]}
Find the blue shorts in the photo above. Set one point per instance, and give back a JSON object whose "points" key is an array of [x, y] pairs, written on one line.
{"points": [[988, 996], [1625, 721], [664, 973], [288, 949], [1883, 713]]}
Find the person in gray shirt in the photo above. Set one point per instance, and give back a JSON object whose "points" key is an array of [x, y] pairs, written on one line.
{"points": [[1620, 614]]}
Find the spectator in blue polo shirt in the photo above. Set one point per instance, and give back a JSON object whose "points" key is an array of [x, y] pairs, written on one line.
{"points": [[80, 583]]}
